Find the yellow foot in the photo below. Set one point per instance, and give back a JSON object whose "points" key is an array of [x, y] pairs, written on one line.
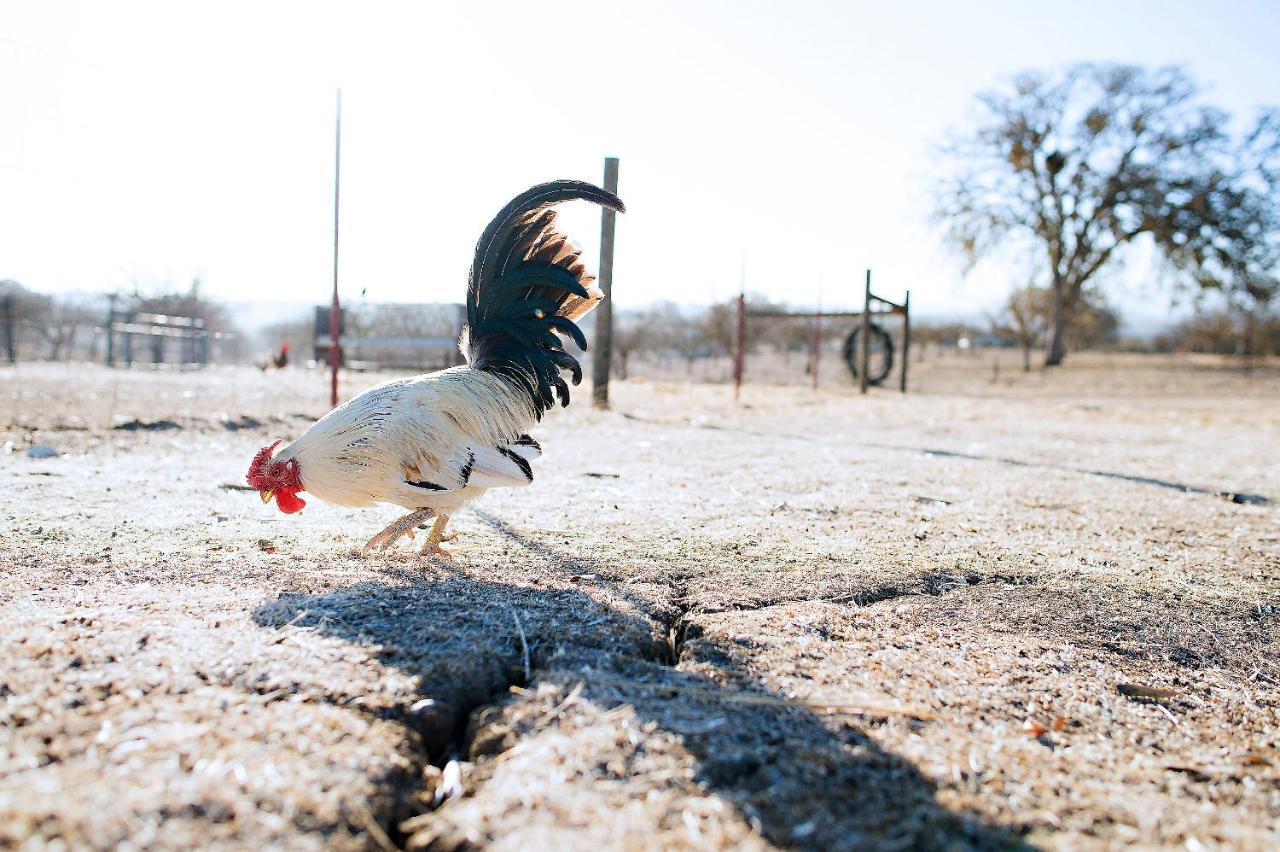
{"points": [[431, 547], [435, 551], [403, 527]]}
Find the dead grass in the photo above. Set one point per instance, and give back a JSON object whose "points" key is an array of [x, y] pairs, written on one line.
{"points": [[814, 620]]}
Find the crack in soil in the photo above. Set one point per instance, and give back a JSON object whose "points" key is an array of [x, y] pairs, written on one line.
{"points": [[434, 745], [679, 627], [437, 746], [1237, 497], [442, 733], [934, 585]]}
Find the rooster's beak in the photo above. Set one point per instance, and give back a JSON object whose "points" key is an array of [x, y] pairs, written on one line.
{"points": [[266, 495]]}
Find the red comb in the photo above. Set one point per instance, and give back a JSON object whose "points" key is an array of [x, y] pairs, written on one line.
{"points": [[259, 463]]}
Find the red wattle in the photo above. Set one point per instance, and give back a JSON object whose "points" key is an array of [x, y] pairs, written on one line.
{"points": [[289, 502]]}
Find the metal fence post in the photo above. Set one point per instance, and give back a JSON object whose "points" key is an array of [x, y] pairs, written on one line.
{"points": [[603, 341], [864, 340], [906, 340]]}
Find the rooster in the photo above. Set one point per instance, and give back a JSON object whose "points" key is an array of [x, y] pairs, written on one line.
{"points": [[435, 442]]}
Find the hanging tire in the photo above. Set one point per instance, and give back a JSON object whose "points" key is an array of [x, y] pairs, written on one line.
{"points": [[879, 355]]}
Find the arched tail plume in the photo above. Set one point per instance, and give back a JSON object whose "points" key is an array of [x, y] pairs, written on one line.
{"points": [[529, 285]]}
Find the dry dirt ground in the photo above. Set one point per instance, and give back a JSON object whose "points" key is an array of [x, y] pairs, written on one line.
{"points": [[985, 616]]}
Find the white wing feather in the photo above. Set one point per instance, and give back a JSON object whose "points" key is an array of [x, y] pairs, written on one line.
{"points": [[431, 441]]}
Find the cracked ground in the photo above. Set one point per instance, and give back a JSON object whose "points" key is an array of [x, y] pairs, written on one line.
{"points": [[1035, 614]]}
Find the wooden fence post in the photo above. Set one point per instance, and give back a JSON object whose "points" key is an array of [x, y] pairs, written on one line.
{"points": [[603, 338], [7, 323], [111, 331]]}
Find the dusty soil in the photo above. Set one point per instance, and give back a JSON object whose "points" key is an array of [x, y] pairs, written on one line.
{"points": [[1040, 611]]}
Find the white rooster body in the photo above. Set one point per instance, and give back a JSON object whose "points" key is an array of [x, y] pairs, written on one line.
{"points": [[433, 443]]}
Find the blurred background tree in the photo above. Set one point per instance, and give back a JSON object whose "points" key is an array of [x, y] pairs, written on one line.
{"points": [[1023, 320], [1223, 332], [170, 302], [1079, 164], [49, 327]]}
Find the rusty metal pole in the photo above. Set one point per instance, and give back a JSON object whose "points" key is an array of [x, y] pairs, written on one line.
{"points": [[335, 308], [906, 341], [864, 341], [603, 341]]}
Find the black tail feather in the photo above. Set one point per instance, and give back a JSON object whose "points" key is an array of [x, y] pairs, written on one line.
{"points": [[528, 283]]}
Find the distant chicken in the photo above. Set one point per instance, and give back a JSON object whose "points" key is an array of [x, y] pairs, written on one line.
{"points": [[435, 442], [279, 360]]}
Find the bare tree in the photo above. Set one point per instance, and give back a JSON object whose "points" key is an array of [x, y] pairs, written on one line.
{"points": [[61, 320], [665, 329], [1079, 164], [720, 325], [1028, 314], [189, 304], [1223, 332], [633, 332], [1023, 319]]}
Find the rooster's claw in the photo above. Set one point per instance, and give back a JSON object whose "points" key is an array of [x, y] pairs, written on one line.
{"points": [[403, 527]]}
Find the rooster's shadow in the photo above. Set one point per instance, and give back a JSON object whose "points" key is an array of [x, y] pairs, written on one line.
{"points": [[800, 779]]}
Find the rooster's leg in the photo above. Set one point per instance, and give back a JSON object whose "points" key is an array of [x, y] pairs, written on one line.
{"points": [[431, 547], [404, 526]]}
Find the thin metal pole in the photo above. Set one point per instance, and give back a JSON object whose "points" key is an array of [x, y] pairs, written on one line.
{"points": [[906, 341], [603, 341], [864, 342], [335, 308], [740, 349]]}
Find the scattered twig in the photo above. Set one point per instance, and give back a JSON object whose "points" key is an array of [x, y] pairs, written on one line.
{"points": [[281, 636], [371, 826], [1145, 693], [569, 701], [524, 647]]}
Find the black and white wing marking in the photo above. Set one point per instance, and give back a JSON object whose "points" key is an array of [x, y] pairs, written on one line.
{"points": [[474, 465]]}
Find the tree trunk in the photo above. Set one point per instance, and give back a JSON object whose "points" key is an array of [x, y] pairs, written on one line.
{"points": [[1026, 354], [1247, 335], [56, 342], [69, 344], [1058, 331]]}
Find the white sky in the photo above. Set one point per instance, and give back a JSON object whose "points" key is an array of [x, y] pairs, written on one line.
{"points": [[163, 141]]}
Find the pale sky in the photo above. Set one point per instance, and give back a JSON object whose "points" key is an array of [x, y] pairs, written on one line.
{"points": [[163, 141]]}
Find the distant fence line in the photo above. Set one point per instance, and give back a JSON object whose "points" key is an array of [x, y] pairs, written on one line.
{"points": [[410, 336], [127, 336]]}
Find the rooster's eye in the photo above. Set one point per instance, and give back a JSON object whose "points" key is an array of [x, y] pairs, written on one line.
{"points": [[275, 470]]}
